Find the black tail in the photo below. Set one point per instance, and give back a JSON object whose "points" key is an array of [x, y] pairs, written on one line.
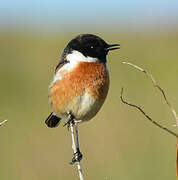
{"points": [[52, 121]]}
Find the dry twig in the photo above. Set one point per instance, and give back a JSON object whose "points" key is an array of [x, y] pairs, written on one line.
{"points": [[147, 116], [75, 146], [155, 84], [3, 122]]}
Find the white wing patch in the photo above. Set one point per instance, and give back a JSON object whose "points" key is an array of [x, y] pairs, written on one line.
{"points": [[63, 70]]}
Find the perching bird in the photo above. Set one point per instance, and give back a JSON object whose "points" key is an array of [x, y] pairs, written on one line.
{"points": [[81, 80]]}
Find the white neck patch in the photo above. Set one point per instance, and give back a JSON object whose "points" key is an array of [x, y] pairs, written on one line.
{"points": [[77, 56], [74, 58]]}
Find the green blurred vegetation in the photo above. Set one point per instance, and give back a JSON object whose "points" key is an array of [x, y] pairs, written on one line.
{"points": [[119, 143]]}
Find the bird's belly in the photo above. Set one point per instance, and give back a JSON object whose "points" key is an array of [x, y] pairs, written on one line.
{"points": [[84, 107]]}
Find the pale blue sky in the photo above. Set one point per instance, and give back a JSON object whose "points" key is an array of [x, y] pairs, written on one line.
{"points": [[79, 13]]}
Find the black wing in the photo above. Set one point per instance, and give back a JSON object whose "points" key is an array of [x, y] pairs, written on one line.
{"points": [[63, 59]]}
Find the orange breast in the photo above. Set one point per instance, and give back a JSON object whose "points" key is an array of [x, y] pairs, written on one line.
{"points": [[91, 77]]}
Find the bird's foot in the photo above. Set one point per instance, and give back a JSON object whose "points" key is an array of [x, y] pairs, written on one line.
{"points": [[77, 157], [69, 121]]}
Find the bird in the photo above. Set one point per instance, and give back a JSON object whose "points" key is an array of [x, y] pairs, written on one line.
{"points": [[81, 80]]}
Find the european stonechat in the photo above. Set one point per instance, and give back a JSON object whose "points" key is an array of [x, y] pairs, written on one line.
{"points": [[81, 80], [80, 84]]}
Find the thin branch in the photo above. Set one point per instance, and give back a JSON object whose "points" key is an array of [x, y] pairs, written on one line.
{"points": [[3, 122], [75, 146], [155, 84], [147, 116]]}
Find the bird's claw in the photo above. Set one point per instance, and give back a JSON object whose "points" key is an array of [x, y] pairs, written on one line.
{"points": [[77, 157]]}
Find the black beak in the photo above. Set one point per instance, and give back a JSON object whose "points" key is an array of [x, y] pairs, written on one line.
{"points": [[113, 47]]}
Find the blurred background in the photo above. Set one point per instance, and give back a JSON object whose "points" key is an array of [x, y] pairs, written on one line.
{"points": [[119, 143]]}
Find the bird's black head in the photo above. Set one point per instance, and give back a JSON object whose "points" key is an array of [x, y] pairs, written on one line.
{"points": [[90, 46]]}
